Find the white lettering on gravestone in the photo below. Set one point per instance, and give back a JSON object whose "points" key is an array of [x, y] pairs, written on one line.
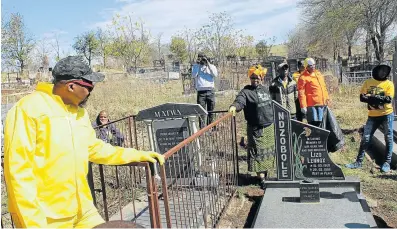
{"points": [[167, 113], [283, 146]]}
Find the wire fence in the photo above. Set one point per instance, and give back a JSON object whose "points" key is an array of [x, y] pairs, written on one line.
{"points": [[200, 176], [356, 78]]}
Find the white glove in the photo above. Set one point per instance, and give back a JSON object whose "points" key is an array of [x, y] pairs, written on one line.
{"points": [[304, 110], [232, 110]]}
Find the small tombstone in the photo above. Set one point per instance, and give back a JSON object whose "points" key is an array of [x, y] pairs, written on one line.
{"points": [[224, 84], [168, 125], [309, 192]]}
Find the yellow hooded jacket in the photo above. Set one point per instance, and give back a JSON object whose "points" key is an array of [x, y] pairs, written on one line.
{"points": [[47, 148]]}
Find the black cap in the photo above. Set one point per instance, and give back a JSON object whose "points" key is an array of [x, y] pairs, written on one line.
{"points": [[74, 67]]}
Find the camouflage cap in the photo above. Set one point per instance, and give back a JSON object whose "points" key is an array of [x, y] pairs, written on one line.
{"points": [[74, 67]]}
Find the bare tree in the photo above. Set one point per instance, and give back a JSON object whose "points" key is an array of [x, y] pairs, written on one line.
{"points": [[104, 46], [43, 51], [297, 43], [264, 46], [379, 16], [218, 35], [336, 22], [191, 38], [87, 45], [17, 43], [158, 41], [131, 40], [56, 46]]}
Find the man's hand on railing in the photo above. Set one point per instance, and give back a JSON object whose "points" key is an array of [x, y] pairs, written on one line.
{"points": [[232, 110], [150, 156]]}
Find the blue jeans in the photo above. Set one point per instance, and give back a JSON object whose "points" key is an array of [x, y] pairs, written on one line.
{"points": [[370, 127], [315, 115]]}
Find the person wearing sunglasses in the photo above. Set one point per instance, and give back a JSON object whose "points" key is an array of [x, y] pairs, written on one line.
{"points": [[256, 102], [312, 92], [48, 144]]}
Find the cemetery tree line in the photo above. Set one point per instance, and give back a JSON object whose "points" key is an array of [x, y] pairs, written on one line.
{"points": [[327, 28], [219, 39], [334, 26], [130, 43]]}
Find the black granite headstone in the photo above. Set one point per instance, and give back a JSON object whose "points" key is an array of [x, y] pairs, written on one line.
{"points": [[301, 149], [169, 133], [309, 192], [311, 159]]}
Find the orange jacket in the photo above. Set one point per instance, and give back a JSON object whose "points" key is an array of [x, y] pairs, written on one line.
{"points": [[312, 89]]}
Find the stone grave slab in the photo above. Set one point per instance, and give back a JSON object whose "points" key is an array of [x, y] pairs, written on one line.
{"points": [[338, 208]]}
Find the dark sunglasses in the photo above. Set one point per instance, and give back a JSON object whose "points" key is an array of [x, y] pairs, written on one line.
{"points": [[84, 84]]}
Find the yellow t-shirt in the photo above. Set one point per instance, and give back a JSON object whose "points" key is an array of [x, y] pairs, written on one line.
{"points": [[382, 88], [285, 84]]}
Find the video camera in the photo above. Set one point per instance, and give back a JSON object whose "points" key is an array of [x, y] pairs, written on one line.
{"points": [[202, 59]]}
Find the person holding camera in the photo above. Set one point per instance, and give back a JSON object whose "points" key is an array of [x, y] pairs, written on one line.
{"points": [[378, 93], [204, 74]]}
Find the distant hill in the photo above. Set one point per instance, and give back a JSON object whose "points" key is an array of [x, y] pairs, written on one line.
{"points": [[279, 50]]}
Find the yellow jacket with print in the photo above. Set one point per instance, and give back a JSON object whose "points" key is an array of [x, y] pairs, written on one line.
{"points": [[379, 96], [47, 148]]}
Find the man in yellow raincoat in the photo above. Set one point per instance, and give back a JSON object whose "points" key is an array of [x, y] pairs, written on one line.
{"points": [[47, 145]]}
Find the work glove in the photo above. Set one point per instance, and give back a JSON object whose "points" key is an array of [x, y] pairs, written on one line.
{"points": [[232, 110], [304, 110], [150, 156]]}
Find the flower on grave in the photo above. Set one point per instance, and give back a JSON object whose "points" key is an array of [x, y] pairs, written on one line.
{"points": [[308, 131], [302, 159]]}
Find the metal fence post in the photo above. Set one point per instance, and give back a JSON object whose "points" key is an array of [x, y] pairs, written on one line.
{"points": [[235, 146], [150, 192]]}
